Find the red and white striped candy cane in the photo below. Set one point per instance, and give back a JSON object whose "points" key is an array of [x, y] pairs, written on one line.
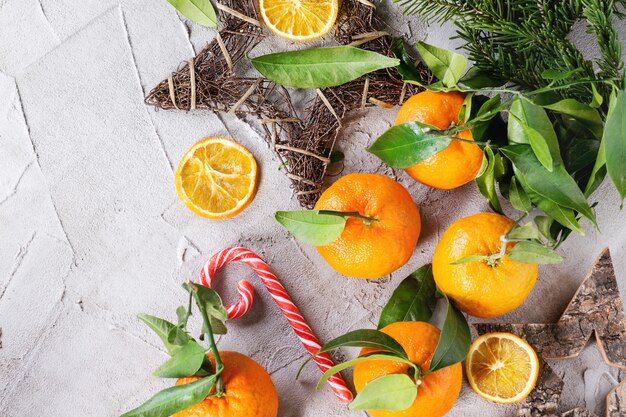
{"points": [[284, 302]]}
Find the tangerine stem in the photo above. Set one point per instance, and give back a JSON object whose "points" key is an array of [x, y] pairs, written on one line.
{"points": [[219, 365]]}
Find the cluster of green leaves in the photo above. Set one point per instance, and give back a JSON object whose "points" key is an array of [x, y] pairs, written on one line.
{"points": [[198, 11], [551, 154], [187, 356], [317, 227], [414, 300]]}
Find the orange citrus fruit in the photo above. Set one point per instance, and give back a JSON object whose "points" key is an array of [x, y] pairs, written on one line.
{"points": [[375, 248], [299, 20], [216, 178], [478, 288], [502, 367], [457, 164], [249, 391], [437, 392]]}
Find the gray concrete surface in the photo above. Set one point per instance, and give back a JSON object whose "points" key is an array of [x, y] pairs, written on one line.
{"points": [[92, 233]]}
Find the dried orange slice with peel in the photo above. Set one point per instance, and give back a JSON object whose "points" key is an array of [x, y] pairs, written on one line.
{"points": [[502, 367], [217, 178], [300, 20]]}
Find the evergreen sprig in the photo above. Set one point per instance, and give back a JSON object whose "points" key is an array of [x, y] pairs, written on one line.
{"points": [[519, 40]]}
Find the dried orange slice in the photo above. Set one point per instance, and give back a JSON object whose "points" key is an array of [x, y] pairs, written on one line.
{"points": [[216, 178], [502, 367], [300, 19]]}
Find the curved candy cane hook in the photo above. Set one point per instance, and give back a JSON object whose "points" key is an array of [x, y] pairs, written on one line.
{"points": [[282, 299]]}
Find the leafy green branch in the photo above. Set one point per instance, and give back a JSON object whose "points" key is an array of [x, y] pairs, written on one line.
{"points": [[187, 356]]}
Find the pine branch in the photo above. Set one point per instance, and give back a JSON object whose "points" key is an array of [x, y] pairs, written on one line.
{"points": [[519, 40]]}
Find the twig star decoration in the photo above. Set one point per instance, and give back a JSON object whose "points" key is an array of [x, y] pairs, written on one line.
{"points": [[595, 309], [302, 144]]}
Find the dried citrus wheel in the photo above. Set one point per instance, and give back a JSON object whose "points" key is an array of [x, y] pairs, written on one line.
{"points": [[502, 368], [216, 178], [300, 19]]}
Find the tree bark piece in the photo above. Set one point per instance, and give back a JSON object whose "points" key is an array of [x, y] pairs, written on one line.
{"points": [[596, 308]]}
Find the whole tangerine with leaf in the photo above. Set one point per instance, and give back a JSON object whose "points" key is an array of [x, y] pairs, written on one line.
{"points": [[481, 267], [364, 225], [408, 367], [457, 163], [209, 382], [437, 391]]}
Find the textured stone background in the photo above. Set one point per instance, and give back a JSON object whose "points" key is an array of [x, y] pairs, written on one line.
{"points": [[91, 231]]}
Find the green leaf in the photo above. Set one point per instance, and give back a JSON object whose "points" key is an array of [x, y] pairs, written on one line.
{"points": [[217, 325], [557, 186], [413, 300], [446, 65], [366, 338], [486, 182], [320, 67], [533, 253], [598, 172], [466, 108], [557, 75], [587, 114], [345, 365], [181, 314], [470, 258], [174, 399], [537, 142], [311, 226], [597, 99], [543, 225], [564, 216], [407, 69], [530, 124], [454, 341], [477, 79], [518, 197], [198, 11], [528, 231], [407, 144], [178, 337], [162, 328], [614, 141], [207, 299], [186, 362], [392, 392]]}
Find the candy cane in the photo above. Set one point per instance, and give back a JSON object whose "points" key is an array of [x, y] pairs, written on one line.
{"points": [[282, 299]]}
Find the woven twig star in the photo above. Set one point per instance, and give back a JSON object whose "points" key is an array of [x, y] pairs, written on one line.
{"points": [[596, 308], [303, 144]]}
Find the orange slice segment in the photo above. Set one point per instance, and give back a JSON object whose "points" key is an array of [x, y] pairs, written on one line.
{"points": [[502, 367], [300, 19], [216, 178]]}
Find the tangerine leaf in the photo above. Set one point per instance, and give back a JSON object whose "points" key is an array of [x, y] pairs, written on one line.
{"points": [[392, 392], [320, 67], [413, 300]]}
